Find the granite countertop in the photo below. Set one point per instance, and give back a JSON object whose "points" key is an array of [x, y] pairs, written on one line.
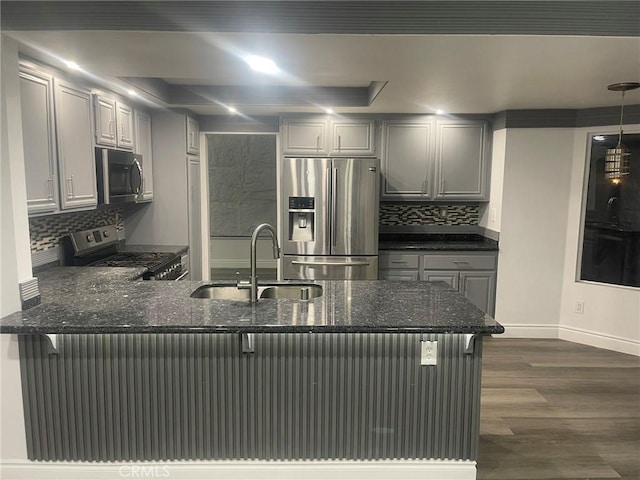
{"points": [[174, 249], [104, 300], [430, 241]]}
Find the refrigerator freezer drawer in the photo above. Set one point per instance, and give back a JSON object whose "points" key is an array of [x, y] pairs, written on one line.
{"points": [[330, 268]]}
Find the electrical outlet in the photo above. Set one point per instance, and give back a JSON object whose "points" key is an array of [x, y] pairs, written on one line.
{"points": [[444, 212], [580, 307], [429, 353]]}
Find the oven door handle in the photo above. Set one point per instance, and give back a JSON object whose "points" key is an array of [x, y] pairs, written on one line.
{"points": [[137, 188], [184, 274]]}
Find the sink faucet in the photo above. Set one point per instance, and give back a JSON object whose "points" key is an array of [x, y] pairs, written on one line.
{"points": [[253, 280]]}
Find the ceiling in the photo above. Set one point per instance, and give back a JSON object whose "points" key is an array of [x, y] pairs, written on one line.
{"points": [[477, 73]]}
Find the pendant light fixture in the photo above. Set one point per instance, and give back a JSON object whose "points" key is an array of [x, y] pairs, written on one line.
{"points": [[617, 161]]}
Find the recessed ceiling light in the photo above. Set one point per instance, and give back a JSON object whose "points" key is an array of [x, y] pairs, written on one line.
{"points": [[329, 110], [232, 110], [72, 65], [262, 64], [132, 93], [439, 111]]}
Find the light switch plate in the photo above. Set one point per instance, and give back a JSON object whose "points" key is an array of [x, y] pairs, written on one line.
{"points": [[429, 353]]}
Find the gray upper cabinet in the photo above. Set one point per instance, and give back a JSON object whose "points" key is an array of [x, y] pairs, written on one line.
{"points": [[193, 136], [305, 136], [352, 137], [322, 135], [124, 119], [113, 123], [406, 160], [142, 128], [75, 146], [427, 159], [105, 111], [39, 141], [460, 164]]}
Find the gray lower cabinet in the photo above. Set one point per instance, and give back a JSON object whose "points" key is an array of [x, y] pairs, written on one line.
{"points": [[471, 273], [39, 141]]}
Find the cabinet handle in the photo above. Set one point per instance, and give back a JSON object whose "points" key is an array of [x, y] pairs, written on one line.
{"points": [[111, 134], [70, 187], [460, 262], [50, 185], [339, 142], [399, 262], [443, 185], [191, 143], [318, 143]]}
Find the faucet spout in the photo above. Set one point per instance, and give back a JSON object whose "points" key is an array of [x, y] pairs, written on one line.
{"points": [[253, 281]]}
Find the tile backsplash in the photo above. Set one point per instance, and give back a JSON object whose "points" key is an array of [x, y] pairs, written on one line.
{"points": [[397, 214], [45, 232]]}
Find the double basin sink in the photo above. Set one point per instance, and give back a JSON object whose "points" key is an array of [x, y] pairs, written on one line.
{"points": [[289, 291]]}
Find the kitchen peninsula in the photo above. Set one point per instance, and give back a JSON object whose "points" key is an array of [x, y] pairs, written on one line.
{"points": [[140, 371]]}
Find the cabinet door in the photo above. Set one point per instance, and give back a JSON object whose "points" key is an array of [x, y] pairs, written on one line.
{"points": [[449, 277], [125, 126], [405, 161], [305, 136], [195, 230], [75, 146], [105, 112], [39, 142], [142, 123], [352, 137], [402, 275], [479, 288], [193, 136], [460, 161]]}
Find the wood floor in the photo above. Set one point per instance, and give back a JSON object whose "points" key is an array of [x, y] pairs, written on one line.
{"points": [[558, 410]]}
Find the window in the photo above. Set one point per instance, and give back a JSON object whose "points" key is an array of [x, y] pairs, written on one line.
{"points": [[611, 239]]}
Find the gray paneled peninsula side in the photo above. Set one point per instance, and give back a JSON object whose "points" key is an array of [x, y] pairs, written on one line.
{"points": [[142, 371]]}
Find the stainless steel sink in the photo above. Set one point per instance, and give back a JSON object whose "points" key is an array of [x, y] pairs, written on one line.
{"points": [[296, 291]]}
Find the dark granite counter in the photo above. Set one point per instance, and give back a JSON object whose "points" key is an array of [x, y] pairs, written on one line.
{"points": [[174, 249], [429, 241], [102, 300]]}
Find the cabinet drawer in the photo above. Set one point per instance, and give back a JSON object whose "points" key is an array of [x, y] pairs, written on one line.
{"points": [[396, 274], [459, 262], [399, 260]]}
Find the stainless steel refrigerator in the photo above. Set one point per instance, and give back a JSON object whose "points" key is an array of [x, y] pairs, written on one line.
{"points": [[330, 218]]}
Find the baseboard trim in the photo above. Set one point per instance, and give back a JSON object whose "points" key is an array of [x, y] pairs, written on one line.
{"points": [[516, 330], [241, 470], [599, 340]]}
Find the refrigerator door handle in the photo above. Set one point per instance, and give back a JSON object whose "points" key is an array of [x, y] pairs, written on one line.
{"points": [[334, 213], [329, 222], [330, 263]]}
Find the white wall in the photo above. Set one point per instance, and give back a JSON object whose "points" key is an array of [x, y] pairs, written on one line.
{"points": [[15, 258], [540, 224], [491, 216], [611, 317], [537, 172]]}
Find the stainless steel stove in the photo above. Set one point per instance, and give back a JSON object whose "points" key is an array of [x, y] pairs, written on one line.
{"points": [[98, 247]]}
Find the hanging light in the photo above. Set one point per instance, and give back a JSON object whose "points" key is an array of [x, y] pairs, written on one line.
{"points": [[617, 161]]}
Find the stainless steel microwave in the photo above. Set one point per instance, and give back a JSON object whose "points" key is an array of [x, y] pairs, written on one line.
{"points": [[119, 176]]}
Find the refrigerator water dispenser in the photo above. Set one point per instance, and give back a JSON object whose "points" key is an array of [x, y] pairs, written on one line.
{"points": [[301, 219]]}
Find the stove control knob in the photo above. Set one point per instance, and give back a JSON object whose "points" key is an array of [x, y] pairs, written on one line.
{"points": [[89, 238]]}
